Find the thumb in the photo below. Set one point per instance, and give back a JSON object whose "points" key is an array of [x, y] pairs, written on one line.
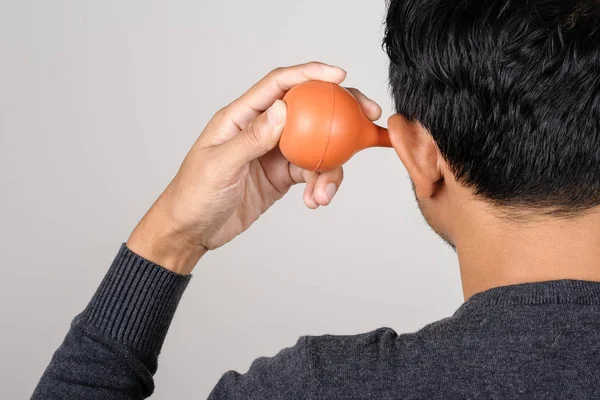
{"points": [[258, 138]]}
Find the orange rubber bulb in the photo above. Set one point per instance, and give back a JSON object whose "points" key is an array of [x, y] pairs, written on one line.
{"points": [[326, 126]]}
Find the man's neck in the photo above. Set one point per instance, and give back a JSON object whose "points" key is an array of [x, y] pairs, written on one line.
{"points": [[496, 252]]}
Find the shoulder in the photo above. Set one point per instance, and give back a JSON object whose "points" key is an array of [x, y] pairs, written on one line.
{"points": [[324, 346], [379, 341], [348, 360]]}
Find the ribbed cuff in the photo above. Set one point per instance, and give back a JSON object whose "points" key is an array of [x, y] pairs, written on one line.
{"points": [[136, 302]]}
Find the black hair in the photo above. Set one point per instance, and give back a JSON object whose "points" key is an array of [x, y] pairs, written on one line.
{"points": [[510, 92]]}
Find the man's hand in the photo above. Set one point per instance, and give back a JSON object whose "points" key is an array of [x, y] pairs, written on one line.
{"points": [[234, 173]]}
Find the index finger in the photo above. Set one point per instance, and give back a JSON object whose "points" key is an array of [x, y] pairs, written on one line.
{"points": [[237, 115], [274, 86]]}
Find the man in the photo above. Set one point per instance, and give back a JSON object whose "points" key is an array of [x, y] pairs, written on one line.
{"points": [[498, 125]]}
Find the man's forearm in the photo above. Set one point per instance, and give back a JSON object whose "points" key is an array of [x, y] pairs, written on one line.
{"points": [[112, 348]]}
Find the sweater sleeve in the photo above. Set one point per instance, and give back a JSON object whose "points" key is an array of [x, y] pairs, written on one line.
{"points": [[112, 348]]}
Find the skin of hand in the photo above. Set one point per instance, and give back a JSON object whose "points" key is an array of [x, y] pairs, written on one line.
{"points": [[234, 172]]}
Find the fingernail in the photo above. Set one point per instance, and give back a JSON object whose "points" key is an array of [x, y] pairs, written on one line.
{"points": [[275, 113], [330, 191]]}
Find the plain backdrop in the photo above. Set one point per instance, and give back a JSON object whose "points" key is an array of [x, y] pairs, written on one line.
{"points": [[99, 103]]}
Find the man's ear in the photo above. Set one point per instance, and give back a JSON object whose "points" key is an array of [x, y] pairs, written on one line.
{"points": [[419, 154]]}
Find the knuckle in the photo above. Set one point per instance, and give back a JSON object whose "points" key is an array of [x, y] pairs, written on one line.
{"points": [[222, 113], [274, 77], [254, 134], [276, 72]]}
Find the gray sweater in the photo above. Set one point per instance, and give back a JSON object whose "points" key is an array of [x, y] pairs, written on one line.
{"points": [[530, 341]]}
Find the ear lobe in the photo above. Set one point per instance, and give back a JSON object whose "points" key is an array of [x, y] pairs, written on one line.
{"points": [[418, 152]]}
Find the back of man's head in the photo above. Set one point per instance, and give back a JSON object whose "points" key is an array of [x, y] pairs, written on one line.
{"points": [[510, 92]]}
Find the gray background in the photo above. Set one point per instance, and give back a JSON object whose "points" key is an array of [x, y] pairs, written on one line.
{"points": [[99, 103]]}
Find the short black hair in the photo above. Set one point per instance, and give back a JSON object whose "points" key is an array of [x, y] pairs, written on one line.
{"points": [[510, 92]]}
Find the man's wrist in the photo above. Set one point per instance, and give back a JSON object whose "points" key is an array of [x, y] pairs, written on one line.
{"points": [[157, 240]]}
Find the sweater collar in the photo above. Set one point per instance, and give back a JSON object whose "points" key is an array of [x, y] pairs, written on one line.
{"points": [[549, 292]]}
